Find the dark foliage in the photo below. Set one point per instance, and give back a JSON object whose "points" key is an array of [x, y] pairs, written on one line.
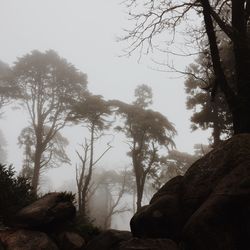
{"points": [[84, 226], [15, 193], [67, 196]]}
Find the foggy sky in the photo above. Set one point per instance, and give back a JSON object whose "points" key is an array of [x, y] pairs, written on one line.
{"points": [[85, 33]]}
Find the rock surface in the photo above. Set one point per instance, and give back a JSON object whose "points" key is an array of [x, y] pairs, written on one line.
{"points": [[209, 207], [148, 244], [163, 217], [26, 240], [50, 209], [108, 240], [70, 240], [40, 226]]}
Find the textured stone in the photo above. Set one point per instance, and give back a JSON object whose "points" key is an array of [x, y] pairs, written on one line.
{"points": [[26, 240], [47, 211], [108, 240]]}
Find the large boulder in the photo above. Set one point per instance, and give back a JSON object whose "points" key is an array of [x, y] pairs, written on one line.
{"points": [[108, 240], [51, 209], [223, 219], [26, 240], [203, 177], [212, 201], [163, 217]]}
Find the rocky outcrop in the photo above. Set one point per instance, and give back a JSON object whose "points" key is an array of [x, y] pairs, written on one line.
{"points": [[42, 226], [209, 207], [109, 240], [70, 240], [26, 240], [163, 217], [51, 209], [122, 240], [206, 209], [148, 244]]}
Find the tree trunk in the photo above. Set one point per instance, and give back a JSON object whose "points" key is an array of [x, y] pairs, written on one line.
{"points": [[36, 171], [241, 117], [89, 176], [139, 197], [40, 147], [216, 128], [138, 179], [79, 189], [239, 102]]}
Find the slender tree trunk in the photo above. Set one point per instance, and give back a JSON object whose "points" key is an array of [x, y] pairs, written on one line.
{"points": [[139, 197], [89, 176], [134, 199], [241, 117], [36, 171], [37, 161], [79, 198], [138, 180]]}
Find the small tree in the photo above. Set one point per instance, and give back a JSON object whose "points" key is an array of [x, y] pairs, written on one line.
{"points": [[16, 193], [148, 132], [209, 113], [91, 112], [46, 83]]}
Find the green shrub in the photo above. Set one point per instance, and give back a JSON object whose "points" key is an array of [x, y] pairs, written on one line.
{"points": [[16, 192]]}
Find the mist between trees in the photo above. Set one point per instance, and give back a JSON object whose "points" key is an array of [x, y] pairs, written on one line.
{"points": [[54, 94]]}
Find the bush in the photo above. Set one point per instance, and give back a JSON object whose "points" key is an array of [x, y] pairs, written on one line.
{"points": [[67, 196], [84, 226], [16, 193]]}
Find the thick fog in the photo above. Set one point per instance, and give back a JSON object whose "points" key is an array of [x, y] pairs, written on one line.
{"points": [[86, 33]]}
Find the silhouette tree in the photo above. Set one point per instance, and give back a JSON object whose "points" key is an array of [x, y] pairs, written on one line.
{"points": [[199, 83], [91, 112], [16, 194], [153, 18], [109, 188], [47, 83], [53, 156], [147, 131]]}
